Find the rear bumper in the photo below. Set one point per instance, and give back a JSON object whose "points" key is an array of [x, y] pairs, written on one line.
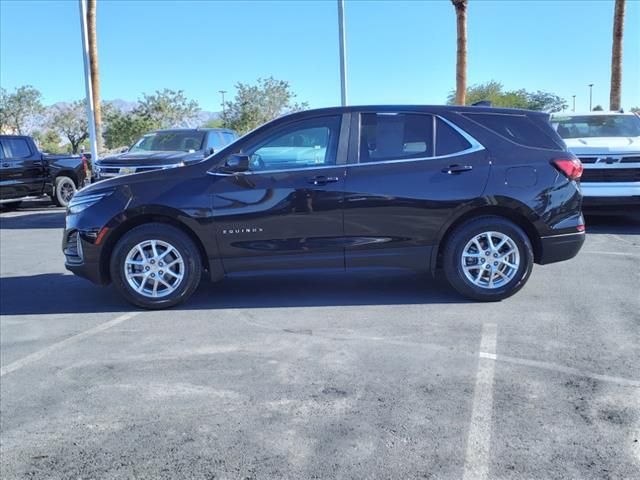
{"points": [[557, 248]]}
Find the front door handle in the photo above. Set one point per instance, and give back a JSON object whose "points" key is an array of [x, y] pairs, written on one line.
{"points": [[455, 169], [322, 180]]}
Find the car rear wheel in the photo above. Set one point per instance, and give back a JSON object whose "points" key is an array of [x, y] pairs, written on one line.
{"points": [[488, 259], [63, 191], [156, 266]]}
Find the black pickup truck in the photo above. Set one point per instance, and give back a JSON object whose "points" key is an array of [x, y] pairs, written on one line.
{"points": [[25, 172]]}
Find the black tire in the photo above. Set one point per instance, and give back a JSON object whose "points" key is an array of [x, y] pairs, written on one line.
{"points": [[187, 250], [8, 206], [458, 240], [63, 185]]}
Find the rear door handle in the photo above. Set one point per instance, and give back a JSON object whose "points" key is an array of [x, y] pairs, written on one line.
{"points": [[455, 169], [322, 180]]}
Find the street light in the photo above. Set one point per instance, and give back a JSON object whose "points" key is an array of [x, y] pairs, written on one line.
{"points": [[224, 112], [343, 54], [590, 95], [574, 103]]}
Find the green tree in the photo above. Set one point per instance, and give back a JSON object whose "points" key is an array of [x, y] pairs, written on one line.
{"points": [[167, 108], [49, 141], [70, 120], [598, 108], [494, 92], [123, 129], [215, 123], [17, 108], [256, 104], [635, 110]]}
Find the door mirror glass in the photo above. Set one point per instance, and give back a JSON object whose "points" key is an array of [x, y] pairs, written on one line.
{"points": [[237, 163]]}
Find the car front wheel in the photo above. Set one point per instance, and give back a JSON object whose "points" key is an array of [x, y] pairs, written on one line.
{"points": [[156, 266], [488, 259]]}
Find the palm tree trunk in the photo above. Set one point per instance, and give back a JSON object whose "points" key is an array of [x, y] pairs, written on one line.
{"points": [[616, 56], [461, 55], [93, 65]]}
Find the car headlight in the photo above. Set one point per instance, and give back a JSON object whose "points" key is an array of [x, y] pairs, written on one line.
{"points": [[81, 202]]}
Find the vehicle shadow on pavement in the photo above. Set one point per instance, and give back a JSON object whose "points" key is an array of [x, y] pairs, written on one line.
{"points": [[32, 221], [54, 293]]}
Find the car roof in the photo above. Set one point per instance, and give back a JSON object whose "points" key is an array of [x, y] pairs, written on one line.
{"points": [[421, 108], [199, 129]]}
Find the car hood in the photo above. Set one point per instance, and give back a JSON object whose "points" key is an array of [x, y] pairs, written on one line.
{"points": [[603, 145], [151, 158]]}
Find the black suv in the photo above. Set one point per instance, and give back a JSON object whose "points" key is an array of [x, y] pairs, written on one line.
{"points": [[481, 193]]}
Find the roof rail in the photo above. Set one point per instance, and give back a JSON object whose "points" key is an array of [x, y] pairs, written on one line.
{"points": [[482, 103]]}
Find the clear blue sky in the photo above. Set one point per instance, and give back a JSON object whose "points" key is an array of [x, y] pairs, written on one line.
{"points": [[398, 52]]}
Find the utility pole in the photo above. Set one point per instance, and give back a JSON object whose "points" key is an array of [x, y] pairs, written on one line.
{"points": [[224, 110], [574, 103], [590, 96], [87, 82], [343, 54]]}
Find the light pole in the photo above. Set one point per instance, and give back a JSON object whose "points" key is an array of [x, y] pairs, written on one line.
{"points": [[590, 95], [224, 111], [343, 54], [574, 103], [87, 82]]}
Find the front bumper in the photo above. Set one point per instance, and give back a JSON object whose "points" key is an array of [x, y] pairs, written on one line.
{"points": [[610, 189], [557, 248], [82, 257]]}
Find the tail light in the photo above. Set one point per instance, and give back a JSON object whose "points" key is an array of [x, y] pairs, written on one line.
{"points": [[570, 167], [85, 166]]}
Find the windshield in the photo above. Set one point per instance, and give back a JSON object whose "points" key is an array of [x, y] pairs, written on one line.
{"points": [[169, 142], [585, 126]]}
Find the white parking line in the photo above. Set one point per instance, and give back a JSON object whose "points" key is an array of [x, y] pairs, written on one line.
{"points": [[560, 368], [34, 357], [476, 461], [622, 254]]}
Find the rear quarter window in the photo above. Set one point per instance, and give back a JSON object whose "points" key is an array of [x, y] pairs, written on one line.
{"points": [[448, 141], [517, 128]]}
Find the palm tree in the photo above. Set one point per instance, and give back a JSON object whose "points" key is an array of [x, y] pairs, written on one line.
{"points": [[461, 55], [93, 65], [616, 56]]}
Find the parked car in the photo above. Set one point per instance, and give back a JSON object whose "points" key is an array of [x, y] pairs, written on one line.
{"points": [[25, 172], [608, 145], [165, 149], [481, 193]]}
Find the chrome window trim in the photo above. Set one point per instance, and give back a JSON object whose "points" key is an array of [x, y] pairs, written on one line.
{"points": [[139, 166], [475, 147]]}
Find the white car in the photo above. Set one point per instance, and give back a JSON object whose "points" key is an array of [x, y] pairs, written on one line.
{"points": [[608, 144]]}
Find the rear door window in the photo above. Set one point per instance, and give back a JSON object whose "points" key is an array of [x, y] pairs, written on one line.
{"points": [[395, 136], [517, 128], [16, 148]]}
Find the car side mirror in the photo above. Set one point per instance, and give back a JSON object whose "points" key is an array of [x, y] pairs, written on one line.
{"points": [[124, 150], [237, 163], [210, 151]]}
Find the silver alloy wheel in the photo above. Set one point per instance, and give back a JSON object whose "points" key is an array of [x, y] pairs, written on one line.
{"points": [[67, 190], [490, 260], [154, 268]]}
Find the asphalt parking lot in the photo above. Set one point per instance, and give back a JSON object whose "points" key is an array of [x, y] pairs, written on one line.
{"points": [[325, 377]]}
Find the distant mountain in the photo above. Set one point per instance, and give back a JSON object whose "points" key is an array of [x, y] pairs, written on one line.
{"points": [[39, 122]]}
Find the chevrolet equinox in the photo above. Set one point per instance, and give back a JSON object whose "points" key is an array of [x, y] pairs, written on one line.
{"points": [[479, 193]]}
